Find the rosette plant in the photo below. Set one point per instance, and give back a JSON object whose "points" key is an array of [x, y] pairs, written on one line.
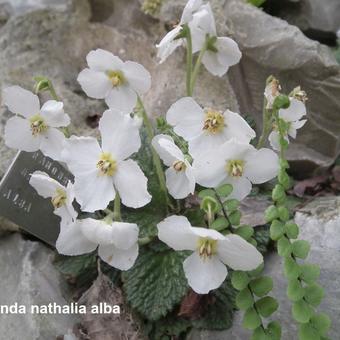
{"points": [[159, 203]]}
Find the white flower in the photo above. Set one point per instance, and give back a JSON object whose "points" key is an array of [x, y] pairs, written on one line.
{"points": [[291, 116], [100, 170], [205, 268], [34, 128], [118, 82], [118, 242], [225, 53], [61, 197], [206, 129], [180, 179], [197, 17], [238, 164]]}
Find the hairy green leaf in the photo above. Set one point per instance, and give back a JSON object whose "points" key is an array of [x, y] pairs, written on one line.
{"points": [[309, 272], [308, 332], [314, 294], [321, 322], [224, 190], [239, 280], [301, 248], [266, 306], [291, 268], [244, 299], [261, 286], [274, 330], [295, 291], [251, 320], [301, 311]]}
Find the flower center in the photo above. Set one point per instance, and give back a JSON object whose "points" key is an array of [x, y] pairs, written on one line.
{"points": [[213, 121], [106, 164], [206, 247], [235, 168], [38, 125], [179, 166], [59, 199], [116, 77]]}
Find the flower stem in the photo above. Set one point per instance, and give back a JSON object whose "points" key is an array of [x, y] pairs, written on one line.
{"points": [[116, 208], [198, 65], [52, 91], [266, 125], [145, 240], [189, 63], [155, 158]]}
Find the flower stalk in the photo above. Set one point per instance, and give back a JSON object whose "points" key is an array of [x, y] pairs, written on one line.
{"points": [[197, 66], [189, 61]]}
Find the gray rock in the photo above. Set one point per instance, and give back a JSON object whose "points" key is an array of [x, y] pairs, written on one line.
{"points": [[30, 279], [319, 223]]}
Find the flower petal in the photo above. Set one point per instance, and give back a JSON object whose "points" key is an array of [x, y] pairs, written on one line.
{"points": [[241, 187], [167, 150], [177, 233], [101, 60], [189, 9], [81, 154], [168, 44], [238, 254], [124, 235], [274, 140], [204, 275], [138, 76], [210, 169], [187, 117], [178, 184], [94, 191], [18, 135], [21, 101], [295, 126], [261, 166], [237, 127], [119, 134], [97, 230], [95, 84], [122, 98], [131, 184], [71, 241], [204, 19], [52, 143], [44, 184], [122, 259], [295, 111], [53, 113]]}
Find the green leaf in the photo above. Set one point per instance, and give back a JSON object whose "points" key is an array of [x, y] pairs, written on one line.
{"points": [[245, 232], [231, 205], [271, 213], [309, 272], [291, 268], [301, 311], [262, 238], [301, 248], [284, 247], [278, 193], [235, 217], [284, 179], [283, 214], [244, 299], [274, 330], [259, 334], [256, 272], [292, 230], [266, 306], [256, 3], [219, 314], [276, 230], [281, 102], [220, 223], [251, 320], [224, 190], [295, 291], [209, 204], [321, 322], [207, 192], [261, 286], [156, 283], [314, 294], [308, 332], [239, 280]]}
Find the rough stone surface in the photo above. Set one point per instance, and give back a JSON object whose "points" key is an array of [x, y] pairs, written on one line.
{"points": [[319, 223], [30, 279]]}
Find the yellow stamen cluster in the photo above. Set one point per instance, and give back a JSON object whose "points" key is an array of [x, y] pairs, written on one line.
{"points": [[179, 166], [235, 168], [300, 94], [206, 247], [59, 199], [116, 77], [38, 124], [106, 164], [213, 122]]}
